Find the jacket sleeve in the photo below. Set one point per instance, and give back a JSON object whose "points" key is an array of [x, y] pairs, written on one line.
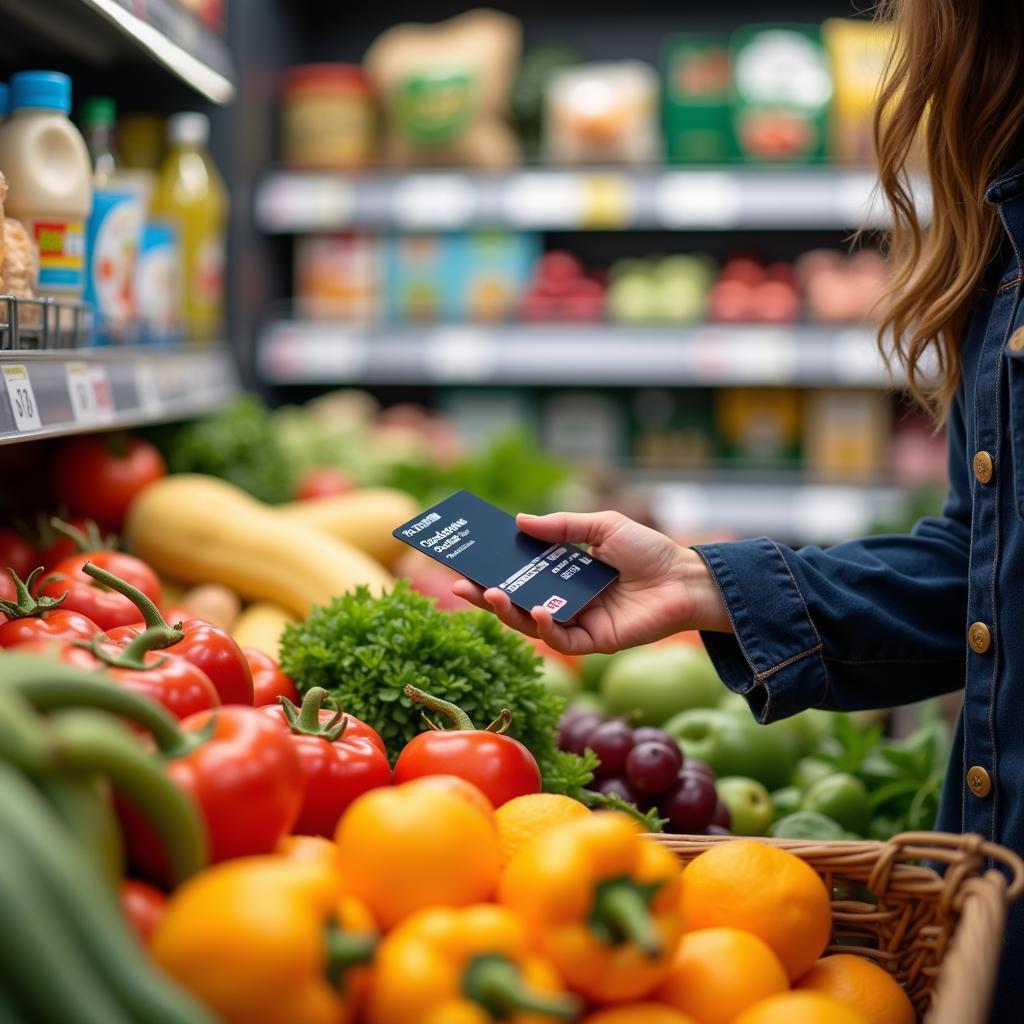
{"points": [[869, 623]]}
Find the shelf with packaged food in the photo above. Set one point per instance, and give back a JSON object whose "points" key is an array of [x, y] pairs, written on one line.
{"points": [[47, 392], [568, 199], [320, 352]]}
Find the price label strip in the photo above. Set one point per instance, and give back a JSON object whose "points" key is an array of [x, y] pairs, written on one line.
{"points": [[80, 392], [102, 396], [23, 399]]}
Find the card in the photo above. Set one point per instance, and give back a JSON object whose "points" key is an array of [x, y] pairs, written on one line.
{"points": [[483, 543]]}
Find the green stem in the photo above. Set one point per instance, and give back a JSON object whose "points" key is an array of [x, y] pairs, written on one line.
{"points": [[22, 741], [622, 913], [305, 721], [603, 801], [26, 606], [49, 686], [155, 622], [454, 714], [496, 984], [88, 540], [133, 654], [89, 741], [346, 950]]}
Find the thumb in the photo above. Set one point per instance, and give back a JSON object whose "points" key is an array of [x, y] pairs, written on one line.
{"points": [[569, 527]]}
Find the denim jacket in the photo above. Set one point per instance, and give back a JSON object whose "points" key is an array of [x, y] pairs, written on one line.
{"points": [[890, 620]]}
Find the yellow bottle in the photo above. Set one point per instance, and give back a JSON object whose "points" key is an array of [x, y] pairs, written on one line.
{"points": [[191, 194]]}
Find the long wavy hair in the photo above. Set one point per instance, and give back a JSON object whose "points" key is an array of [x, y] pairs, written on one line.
{"points": [[952, 97]]}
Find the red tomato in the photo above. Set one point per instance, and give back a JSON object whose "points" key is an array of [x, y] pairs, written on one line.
{"points": [[58, 624], [16, 553], [246, 779], [55, 546], [323, 482], [143, 905], [499, 766], [7, 592], [209, 648], [98, 475], [105, 607], [339, 762], [268, 681]]}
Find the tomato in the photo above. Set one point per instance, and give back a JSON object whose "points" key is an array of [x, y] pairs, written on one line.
{"points": [[323, 482], [98, 475], [498, 765], [55, 546], [209, 648], [143, 905], [268, 681], [105, 607], [8, 592], [16, 553], [341, 759], [58, 624], [246, 778]]}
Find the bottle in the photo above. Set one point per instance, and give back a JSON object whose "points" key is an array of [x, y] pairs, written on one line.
{"points": [[114, 230], [49, 179], [191, 194]]}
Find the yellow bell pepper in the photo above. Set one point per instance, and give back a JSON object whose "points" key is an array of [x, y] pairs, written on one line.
{"points": [[470, 965], [267, 940], [601, 902]]}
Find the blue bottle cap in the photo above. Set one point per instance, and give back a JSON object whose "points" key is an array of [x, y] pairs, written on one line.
{"points": [[41, 90], [5, 99]]}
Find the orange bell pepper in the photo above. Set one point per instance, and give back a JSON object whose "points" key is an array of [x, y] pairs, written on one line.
{"points": [[471, 965], [601, 901], [266, 940]]}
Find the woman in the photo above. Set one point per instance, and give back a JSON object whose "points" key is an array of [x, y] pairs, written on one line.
{"points": [[890, 619]]}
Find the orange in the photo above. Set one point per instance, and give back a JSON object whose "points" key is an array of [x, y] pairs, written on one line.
{"points": [[639, 1013], [764, 890], [718, 973], [525, 817], [861, 984], [802, 1008]]}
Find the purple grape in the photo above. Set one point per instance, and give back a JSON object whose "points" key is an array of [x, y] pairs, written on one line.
{"points": [[612, 741], [652, 767], [649, 734], [716, 830], [574, 734], [617, 787], [722, 817], [689, 805], [692, 766]]}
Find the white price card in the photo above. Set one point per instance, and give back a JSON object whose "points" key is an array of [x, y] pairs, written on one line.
{"points": [[83, 408], [147, 388], [102, 396], [23, 399]]}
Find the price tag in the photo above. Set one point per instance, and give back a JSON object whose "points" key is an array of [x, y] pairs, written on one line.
{"points": [[102, 396], [607, 201], [80, 392], [23, 399], [147, 389]]}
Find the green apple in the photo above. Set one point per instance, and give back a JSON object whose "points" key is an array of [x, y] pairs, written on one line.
{"points": [[810, 770], [843, 798], [593, 668], [590, 701], [750, 806], [734, 746], [655, 682], [734, 704], [807, 825], [559, 678], [810, 727], [786, 801], [632, 298]]}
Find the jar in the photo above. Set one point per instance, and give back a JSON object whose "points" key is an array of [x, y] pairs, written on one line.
{"points": [[327, 117]]}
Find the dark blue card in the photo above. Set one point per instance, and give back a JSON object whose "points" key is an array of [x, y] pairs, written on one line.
{"points": [[483, 543]]}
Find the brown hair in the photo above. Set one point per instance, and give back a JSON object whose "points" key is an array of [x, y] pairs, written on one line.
{"points": [[954, 89]]}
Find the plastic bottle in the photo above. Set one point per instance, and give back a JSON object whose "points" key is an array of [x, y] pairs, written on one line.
{"points": [[49, 178], [114, 230], [191, 193]]}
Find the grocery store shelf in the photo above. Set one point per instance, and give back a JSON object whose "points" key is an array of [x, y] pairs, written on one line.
{"points": [[812, 513], [567, 355], [669, 198], [46, 393]]}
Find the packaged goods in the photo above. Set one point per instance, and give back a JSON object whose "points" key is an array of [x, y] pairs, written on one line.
{"points": [[327, 117], [114, 230], [781, 92], [585, 425], [444, 90], [673, 428], [536, 69], [192, 196], [339, 277], [603, 113], [759, 425], [158, 284], [846, 433], [49, 177], [696, 98]]}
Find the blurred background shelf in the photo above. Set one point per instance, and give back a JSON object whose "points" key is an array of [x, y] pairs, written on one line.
{"points": [[47, 393], [552, 199], [317, 352]]}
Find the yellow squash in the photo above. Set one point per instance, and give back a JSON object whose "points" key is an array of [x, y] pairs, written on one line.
{"points": [[198, 529], [260, 625], [363, 518]]}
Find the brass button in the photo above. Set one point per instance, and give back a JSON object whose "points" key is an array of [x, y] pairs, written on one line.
{"points": [[983, 467], [979, 637], [1017, 340], [979, 782]]}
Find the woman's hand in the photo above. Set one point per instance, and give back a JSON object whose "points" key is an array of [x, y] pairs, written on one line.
{"points": [[662, 588]]}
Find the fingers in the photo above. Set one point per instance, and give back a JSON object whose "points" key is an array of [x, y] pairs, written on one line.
{"points": [[470, 592], [573, 527], [501, 604], [565, 639]]}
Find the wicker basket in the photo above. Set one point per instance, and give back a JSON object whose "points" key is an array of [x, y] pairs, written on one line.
{"points": [[940, 935]]}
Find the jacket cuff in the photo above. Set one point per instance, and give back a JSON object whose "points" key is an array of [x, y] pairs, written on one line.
{"points": [[774, 655]]}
